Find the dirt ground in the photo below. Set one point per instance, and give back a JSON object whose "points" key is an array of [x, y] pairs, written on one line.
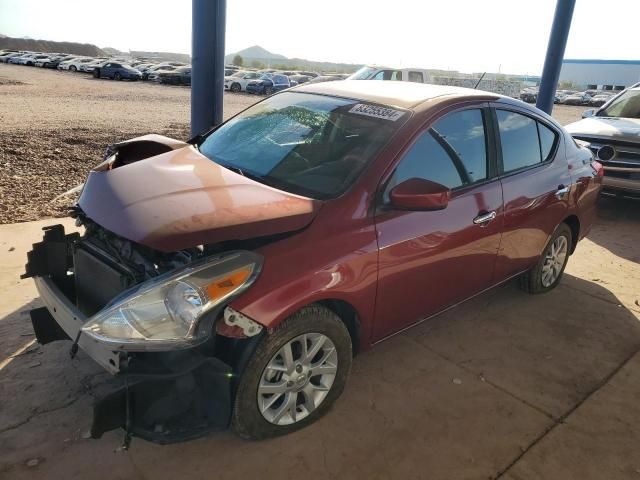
{"points": [[55, 127], [507, 385]]}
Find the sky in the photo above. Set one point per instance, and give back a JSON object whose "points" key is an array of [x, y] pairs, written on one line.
{"points": [[508, 36]]}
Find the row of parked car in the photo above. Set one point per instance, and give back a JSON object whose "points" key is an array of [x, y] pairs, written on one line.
{"points": [[175, 73], [268, 81], [593, 98]]}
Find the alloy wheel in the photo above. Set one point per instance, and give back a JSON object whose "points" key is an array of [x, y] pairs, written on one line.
{"points": [[297, 379], [554, 261]]}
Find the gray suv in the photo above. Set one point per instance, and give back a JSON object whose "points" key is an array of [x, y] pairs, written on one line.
{"points": [[613, 132]]}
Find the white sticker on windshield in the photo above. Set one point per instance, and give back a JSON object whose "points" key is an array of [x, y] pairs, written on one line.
{"points": [[376, 112]]}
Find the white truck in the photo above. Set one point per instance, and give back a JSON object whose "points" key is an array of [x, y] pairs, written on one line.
{"points": [[377, 72]]}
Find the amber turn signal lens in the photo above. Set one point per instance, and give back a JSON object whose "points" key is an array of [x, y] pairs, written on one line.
{"points": [[222, 286]]}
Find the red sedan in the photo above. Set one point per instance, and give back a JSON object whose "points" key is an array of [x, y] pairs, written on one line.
{"points": [[231, 279]]}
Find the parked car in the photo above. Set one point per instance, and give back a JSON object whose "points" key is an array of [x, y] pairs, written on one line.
{"points": [[529, 96], [6, 58], [268, 83], [75, 64], [237, 82], [374, 72], [151, 71], [580, 98], [179, 76], [26, 59], [90, 66], [298, 79], [600, 99], [231, 279], [612, 134], [116, 71], [325, 78]]}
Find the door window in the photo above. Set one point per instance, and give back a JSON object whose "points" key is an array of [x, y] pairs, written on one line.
{"points": [[525, 142], [453, 153], [388, 75]]}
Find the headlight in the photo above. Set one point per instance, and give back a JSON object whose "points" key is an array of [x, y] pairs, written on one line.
{"points": [[175, 310]]}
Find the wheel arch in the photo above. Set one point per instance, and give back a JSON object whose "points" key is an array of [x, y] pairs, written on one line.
{"points": [[349, 316], [573, 222]]}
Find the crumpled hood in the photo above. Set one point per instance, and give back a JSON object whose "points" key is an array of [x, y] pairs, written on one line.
{"points": [[625, 129], [181, 199]]}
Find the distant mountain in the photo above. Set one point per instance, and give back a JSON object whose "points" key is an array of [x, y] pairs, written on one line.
{"points": [[257, 55], [111, 51], [49, 46], [162, 56]]}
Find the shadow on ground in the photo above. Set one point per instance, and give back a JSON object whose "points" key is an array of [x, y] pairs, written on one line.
{"points": [[464, 395]]}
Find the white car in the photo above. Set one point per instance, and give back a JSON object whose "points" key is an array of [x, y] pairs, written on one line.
{"points": [[376, 72], [75, 64], [90, 66], [239, 80], [27, 59]]}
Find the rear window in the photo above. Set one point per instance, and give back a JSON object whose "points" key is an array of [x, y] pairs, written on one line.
{"points": [[311, 145]]}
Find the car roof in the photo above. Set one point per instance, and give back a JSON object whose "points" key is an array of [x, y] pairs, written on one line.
{"points": [[401, 94]]}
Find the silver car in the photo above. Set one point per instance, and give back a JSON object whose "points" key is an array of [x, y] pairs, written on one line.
{"points": [[613, 132]]}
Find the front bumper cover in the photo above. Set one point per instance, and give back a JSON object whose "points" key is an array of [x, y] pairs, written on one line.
{"points": [[163, 397]]}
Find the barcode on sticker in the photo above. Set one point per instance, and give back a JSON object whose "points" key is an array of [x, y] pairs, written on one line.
{"points": [[376, 112]]}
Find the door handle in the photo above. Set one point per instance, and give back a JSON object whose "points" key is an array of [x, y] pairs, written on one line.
{"points": [[484, 218], [561, 192]]}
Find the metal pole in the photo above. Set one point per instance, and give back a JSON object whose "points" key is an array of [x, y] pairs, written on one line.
{"points": [[555, 54], [207, 63]]}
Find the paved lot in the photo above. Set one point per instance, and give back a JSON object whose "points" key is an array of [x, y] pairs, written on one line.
{"points": [[505, 386]]}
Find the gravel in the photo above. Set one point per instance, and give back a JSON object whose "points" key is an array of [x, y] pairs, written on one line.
{"points": [[55, 126]]}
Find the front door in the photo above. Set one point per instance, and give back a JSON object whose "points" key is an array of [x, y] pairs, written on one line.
{"points": [[429, 260]]}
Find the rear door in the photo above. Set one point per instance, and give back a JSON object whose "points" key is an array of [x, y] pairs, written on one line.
{"points": [[535, 182], [429, 260]]}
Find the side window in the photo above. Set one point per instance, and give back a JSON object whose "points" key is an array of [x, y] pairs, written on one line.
{"points": [[519, 139], [108, 65], [453, 153], [463, 133], [388, 75], [417, 77], [547, 140]]}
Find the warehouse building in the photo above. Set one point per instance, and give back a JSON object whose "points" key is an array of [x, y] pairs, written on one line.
{"points": [[601, 74]]}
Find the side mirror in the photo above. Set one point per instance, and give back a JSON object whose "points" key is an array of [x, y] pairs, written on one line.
{"points": [[419, 194], [589, 113]]}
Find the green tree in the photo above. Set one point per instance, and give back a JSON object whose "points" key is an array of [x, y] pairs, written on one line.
{"points": [[257, 64], [237, 60]]}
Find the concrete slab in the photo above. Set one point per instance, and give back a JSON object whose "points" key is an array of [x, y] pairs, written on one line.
{"points": [[599, 440]]}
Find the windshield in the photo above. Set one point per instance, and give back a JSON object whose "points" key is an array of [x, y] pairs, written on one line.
{"points": [[311, 145], [363, 74], [627, 105]]}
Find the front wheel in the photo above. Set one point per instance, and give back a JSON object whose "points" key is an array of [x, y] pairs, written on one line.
{"points": [[235, 87], [117, 76], [548, 271], [294, 376], [268, 90]]}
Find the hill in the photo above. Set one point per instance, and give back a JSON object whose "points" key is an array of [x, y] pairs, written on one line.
{"points": [[162, 56], [49, 46], [258, 56]]}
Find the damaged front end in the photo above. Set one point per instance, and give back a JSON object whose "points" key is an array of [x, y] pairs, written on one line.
{"points": [[154, 320]]}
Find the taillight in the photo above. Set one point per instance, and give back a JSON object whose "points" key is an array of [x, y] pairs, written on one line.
{"points": [[597, 166]]}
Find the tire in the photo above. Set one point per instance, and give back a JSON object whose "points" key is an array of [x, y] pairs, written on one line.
{"points": [[116, 76], [310, 324], [268, 90], [73, 68], [235, 87], [96, 72], [534, 281]]}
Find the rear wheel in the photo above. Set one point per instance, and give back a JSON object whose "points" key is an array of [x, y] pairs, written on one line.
{"points": [[548, 271], [117, 76], [294, 376]]}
